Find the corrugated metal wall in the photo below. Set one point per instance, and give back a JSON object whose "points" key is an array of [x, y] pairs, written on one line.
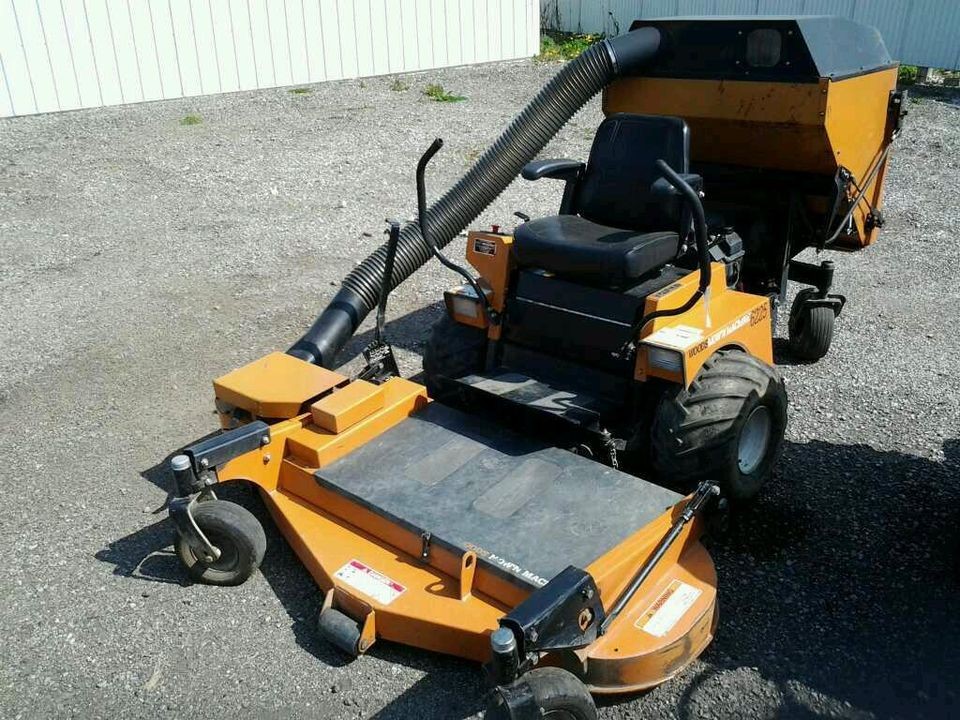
{"points": [[917, 32], [67, 54]]}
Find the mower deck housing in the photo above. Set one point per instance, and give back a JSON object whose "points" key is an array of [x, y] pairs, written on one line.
{"points": [[427, 526]]}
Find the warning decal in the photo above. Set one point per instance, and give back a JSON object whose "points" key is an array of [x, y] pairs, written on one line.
{"points": [[679, 337], [484, 247], [667, 610], [369, 582]]}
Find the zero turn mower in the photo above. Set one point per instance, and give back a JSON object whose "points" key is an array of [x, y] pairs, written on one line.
{"points": [[500, 512]]}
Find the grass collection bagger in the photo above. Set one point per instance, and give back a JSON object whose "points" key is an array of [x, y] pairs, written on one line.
{"points": [[598, 387]]}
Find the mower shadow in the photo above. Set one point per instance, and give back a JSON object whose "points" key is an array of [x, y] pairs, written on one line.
{"points": [[839, 587], [146, 554], [450, 689]]}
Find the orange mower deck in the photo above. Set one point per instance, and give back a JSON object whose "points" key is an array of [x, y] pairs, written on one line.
{"points": [[444, 583]]}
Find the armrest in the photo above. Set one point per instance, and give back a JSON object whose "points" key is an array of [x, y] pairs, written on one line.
{"points": [[553, 169]]}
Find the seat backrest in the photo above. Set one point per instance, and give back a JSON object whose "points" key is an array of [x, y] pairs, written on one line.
{"points": [[615, 189]]}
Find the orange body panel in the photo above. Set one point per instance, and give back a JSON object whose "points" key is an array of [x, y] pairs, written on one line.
{"points": [[856, 122], [275, 386], [634, 655], [735, 122], [346, 407], [799, 127], [429, 614], [730, 318], [491, 256], [318, 447]]}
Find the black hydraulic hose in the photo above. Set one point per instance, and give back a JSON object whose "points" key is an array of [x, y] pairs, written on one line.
{"points": [[577, 82]]}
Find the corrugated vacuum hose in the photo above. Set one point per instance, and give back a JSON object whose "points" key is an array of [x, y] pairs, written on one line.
{"points": [[568, 91]]}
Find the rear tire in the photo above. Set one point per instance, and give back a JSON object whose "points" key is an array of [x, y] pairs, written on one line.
{"points": [[559, 695], [453, 350], [236, 533], [727, 426], [811, 327]]}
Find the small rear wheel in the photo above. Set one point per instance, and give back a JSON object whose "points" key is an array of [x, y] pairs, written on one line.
{"points": [[811, 327], [727, 426], [236, 533], [557, 693]]}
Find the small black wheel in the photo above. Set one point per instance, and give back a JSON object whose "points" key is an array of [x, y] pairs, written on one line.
{"points": [[236, 533], [339, 630], [727, 426], [558, 694], [811, 327], [453, 350]]}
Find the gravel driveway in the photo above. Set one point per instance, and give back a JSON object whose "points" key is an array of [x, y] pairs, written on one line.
{"points": [[140, 258]]}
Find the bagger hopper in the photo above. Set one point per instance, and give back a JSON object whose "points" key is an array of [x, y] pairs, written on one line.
{"points": [[499, 512]]}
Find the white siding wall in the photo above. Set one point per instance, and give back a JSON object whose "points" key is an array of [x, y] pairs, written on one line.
{"points": [[67, 54], [917, 32]]}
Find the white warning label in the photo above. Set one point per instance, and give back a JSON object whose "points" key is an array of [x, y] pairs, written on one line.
{"points": [[667, 610], [678, 337], [369, 582]]}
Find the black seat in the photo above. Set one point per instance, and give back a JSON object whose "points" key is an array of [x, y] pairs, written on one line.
{"points": [[576, 248], [620, 220]]}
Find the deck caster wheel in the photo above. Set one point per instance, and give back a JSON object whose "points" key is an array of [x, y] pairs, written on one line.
{"points": [[340, 630], [235, 532], [726, 427], [547, 693], [811, 326]]}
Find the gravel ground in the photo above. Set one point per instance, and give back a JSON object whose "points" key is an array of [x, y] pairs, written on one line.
{"points": [[139, 258]]}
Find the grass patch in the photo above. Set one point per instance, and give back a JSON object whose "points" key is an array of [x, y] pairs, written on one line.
{"points": [[436, 92], [908, 74], [300, 91], [399, 85], [191, 119], [556, 46]]}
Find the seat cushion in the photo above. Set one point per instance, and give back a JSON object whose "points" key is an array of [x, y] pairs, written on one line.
{"points": [[578, 249]]}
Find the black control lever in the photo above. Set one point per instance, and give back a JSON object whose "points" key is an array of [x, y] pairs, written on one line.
{"points": [[423, 221], [381, 362], [394, 233]]}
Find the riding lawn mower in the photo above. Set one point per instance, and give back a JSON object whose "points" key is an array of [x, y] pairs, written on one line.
{"points": [[601, 385]]}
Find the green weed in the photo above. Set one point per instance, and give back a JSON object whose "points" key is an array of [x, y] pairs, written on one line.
{"points": [[564, 46], [435, 92]]}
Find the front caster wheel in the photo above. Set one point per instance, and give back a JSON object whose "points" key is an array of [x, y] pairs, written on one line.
{"points": [[811, 326], [554, 693], [234, 531]]}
